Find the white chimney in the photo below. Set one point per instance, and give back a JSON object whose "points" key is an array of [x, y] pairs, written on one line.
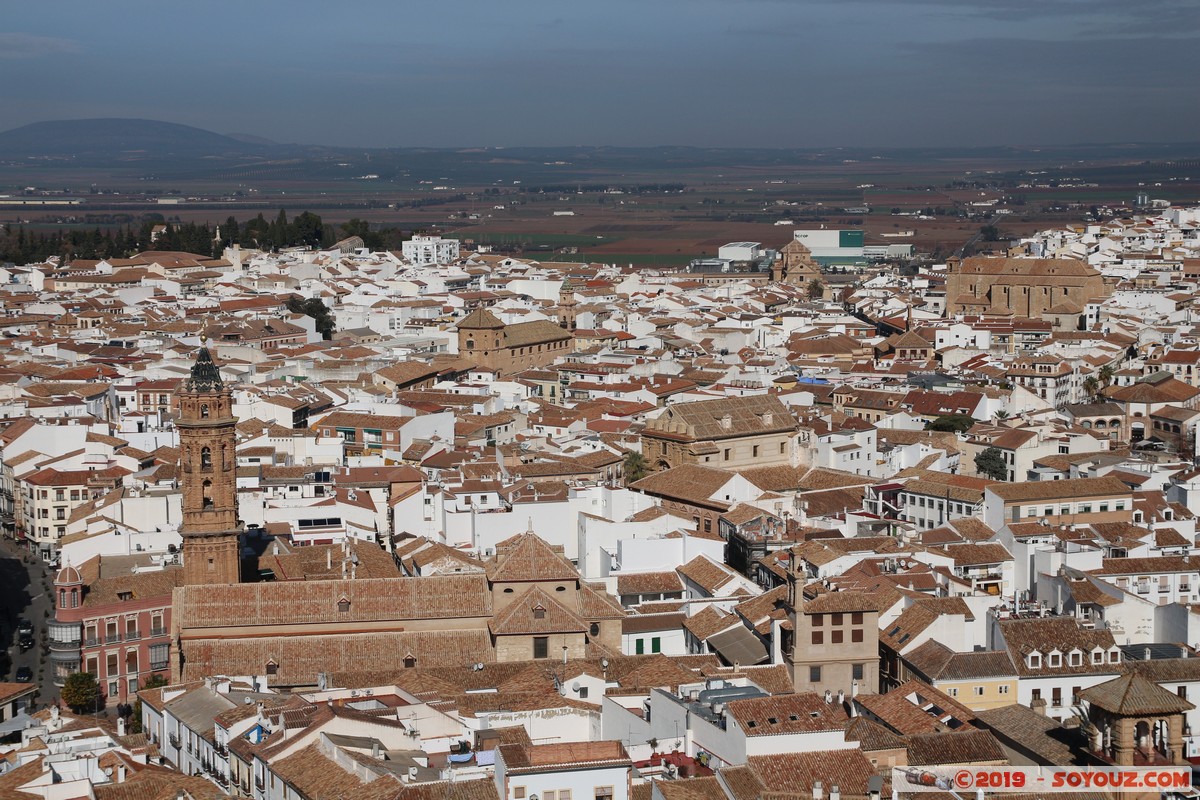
{"points": [[818, 791], [841, 697], [834, 792], [828, 697]]}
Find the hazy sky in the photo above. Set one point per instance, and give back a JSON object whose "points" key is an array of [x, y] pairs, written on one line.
{"points": [[770, 73]]}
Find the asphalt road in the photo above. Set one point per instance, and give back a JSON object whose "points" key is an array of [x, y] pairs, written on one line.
{"points": [[25, 592]]}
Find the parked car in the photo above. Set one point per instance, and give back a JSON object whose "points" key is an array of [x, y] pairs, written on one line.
{"points": [[24, 675], [26, 642], [24, 626]]}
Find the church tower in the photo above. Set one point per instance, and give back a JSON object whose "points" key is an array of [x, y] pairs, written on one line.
{"points": [[211, 551]]}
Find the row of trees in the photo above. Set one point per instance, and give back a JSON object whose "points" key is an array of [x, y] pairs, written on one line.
{"points": [[21, 246]]}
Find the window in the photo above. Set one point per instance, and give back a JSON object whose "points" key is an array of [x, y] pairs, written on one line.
{"points": [[1003, 689], [539, 612], [410, 661], [541, 646], [836, 637], [727, 453], [754, 452], [272, 668], [1035, 660], [583, 692], [205, 458], [604, 793], [856, 618], [857, 671], [656, 645], [1056, 697], [343, 605], [1182, 692], [1036, 694], [856, 635], [953, 691], [814, 674], [979, 691], [818, 637], [818, 620], [519, 792], [1055, 659]]}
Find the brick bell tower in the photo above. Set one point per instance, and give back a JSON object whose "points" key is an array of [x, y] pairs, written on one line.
{"points": [[211, 550]]}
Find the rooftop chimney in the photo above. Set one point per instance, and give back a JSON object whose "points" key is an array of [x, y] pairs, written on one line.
{"points": [[818, 791]]}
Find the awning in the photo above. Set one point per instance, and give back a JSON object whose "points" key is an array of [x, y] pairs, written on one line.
{"points": [[739, 645]]}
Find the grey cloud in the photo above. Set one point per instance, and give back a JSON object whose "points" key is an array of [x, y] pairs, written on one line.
{"points": [[26, 45]]}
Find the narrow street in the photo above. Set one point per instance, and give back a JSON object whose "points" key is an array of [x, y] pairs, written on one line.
{"points": [[26, 592]]}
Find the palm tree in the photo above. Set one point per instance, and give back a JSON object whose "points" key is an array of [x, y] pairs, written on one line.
{"points": [[1106, 374], [1091, 386], [815, 289]]}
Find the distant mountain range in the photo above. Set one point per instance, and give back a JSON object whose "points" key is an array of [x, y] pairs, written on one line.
{"points": [[84, 138], [134, 138]]}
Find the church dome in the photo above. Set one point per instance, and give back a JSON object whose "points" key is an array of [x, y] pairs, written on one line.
{"points": [[67, 575]]}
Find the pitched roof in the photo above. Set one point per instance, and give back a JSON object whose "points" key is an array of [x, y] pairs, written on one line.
{"points": [[528, 557], [1134, 694]]}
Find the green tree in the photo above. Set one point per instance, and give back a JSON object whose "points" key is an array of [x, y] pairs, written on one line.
{"points": [[815, 288], [81, 692], [990, 464], [952, 423], [313, 307], [1106, 374], [635, 467], [155, 681], [1091, 386]]}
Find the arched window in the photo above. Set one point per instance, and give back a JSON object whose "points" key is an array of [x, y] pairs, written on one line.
{"points": [[205, 458], [204, 411], [206, 491]]}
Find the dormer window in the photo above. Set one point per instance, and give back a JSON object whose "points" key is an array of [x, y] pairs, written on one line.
{"points": [[1055, 659], [1114, 656], [726, 422], [343, 605], [272, 667], [767, 418], [410, 661], [1034, 660], [539, 612], [1075, 659], [1097, 656]]}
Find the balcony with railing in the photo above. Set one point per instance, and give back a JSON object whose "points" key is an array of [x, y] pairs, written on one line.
{"points": [[112, 638], [132, 636], [173, 738], [156, 632]]}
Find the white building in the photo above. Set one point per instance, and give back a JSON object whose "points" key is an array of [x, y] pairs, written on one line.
{"points": [[427, 250]]}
